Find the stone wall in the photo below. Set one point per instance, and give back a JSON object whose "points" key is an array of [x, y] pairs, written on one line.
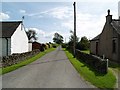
{"points": [[16, 58], [96, 63]]}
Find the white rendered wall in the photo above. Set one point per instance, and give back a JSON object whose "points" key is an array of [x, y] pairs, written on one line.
{"points": [[19, 41], [29, 46]]}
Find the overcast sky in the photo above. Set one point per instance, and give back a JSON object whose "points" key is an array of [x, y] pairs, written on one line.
{"points": [[46, 18]]}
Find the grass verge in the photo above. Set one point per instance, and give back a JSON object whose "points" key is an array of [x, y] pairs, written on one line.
{"points": [[86, 51], [25, 62], [101, 81]]}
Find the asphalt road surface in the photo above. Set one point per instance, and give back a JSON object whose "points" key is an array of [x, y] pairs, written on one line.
{"points": [[53, 70]]}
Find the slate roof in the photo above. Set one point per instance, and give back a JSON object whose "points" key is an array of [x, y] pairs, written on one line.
{"points": [[96, 38], [8, 28], [115, 24]]}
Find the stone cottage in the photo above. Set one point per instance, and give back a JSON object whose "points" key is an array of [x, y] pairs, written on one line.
{"points": [[13, 38], [107, 43]]}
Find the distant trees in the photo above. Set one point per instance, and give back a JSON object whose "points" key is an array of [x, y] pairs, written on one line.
{"points": [[71, 39], [83, 44], [31, 35], [58, 38]]}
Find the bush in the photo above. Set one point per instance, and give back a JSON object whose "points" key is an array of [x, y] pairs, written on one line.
{"points": [[54, 46], [48, 45], [44, 46], [64, 45]]}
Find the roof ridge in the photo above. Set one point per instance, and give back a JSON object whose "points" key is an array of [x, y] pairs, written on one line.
{"points": [[116, 19], [11, 21]]}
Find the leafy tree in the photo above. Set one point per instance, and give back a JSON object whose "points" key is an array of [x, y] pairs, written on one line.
{"points": [[71, 39], [58, 38], [31, 35], [84, 44]]}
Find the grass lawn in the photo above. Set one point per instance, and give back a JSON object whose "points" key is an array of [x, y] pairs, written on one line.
{"points": [[25, 62], [101, 81], [114, 65]]}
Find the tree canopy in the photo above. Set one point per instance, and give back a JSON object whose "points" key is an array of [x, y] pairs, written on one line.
{"points": [[71, 39], [31, 35], [84, 43], [58, 38]]}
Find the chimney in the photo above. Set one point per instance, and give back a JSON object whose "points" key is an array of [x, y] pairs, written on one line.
{"points": [[108, 17]]}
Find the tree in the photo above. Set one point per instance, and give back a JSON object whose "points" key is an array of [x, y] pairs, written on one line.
{"points": [[31, 35], [84, 44], [58, 38], [71, 39]]}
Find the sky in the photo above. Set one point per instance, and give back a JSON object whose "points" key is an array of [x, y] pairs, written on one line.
{"points": [[49, 17]]}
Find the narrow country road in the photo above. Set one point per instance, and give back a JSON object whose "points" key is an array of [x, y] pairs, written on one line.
{"points": [[51, 71]]}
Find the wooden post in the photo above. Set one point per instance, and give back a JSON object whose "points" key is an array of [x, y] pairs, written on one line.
{"points": [[74, 29]]}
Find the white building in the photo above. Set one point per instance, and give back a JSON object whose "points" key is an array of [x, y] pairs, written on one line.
{"points": [[13, 38]]}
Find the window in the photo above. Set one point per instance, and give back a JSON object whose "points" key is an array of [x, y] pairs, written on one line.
{"points": [[114, 46]]}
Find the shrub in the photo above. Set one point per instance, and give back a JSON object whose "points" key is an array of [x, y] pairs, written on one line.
{"points": [[54, 46], [64, 45], [48, 45]]}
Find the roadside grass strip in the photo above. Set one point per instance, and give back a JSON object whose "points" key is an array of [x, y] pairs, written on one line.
{"points": [[25, 62], [86, 51], [107, 81]]}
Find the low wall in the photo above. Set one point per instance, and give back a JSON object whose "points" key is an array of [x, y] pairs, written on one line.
{"points": [[16, 58], [97, 63], [100, 65]]}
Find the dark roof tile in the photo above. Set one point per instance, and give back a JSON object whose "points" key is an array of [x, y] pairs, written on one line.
{"points": [[116, 25], [96, 38], [8, 27]]}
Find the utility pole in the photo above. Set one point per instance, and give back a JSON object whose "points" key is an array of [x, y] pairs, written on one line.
{"points": [[74, 4]]}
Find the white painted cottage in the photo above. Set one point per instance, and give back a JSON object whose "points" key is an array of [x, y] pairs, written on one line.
{"points": [[13, 38]]}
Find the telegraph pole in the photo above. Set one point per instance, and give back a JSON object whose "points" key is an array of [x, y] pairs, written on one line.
{"points": [[74, 4]]}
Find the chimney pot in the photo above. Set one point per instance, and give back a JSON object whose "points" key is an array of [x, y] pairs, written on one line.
{"points": [[109, 17], [108, 11]]}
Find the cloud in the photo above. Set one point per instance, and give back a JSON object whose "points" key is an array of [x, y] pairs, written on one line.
{"points": [[59, 12], [22, 11], [38, 31], [86, 25], [4, 16]]}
